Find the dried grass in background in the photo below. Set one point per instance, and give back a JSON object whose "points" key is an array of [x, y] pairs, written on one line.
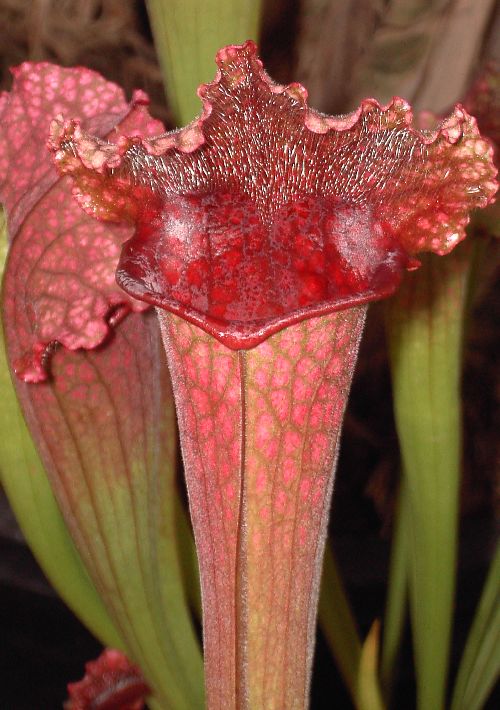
{"points": [[110, 36]]}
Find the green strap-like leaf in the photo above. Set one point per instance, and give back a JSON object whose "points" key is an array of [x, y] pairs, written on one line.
{"points": [[187, 35], [396, 602], [338, 624], [369, 696], [480, 664], [425, 323]]}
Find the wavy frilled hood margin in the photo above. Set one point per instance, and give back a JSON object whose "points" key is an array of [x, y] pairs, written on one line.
{"points": [[61, 263], [263, 212]]}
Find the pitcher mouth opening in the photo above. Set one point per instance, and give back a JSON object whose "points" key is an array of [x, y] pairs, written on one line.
{"points": [[217, 261]]}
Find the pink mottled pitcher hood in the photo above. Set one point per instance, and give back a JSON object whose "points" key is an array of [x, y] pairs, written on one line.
{"points": [[263, 211], [64, 261]]}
